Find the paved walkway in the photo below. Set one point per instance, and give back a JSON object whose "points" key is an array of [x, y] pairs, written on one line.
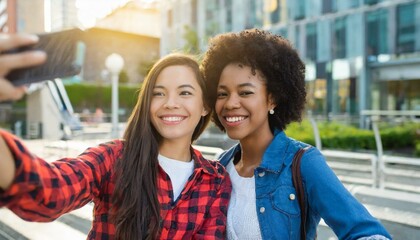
{"points": [[41, 231], [76, 225], [66, 227]]}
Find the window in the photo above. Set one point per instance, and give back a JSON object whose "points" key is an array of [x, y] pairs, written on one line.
{"points": [[212, 26], [211, 9], [299, 10], [317, 91], [228, 7], [406, 28], [344, 96], [311, 42], [371, 2], [329, 6], [275, 12], [297, 38], [339, 38], [194, 11], [254, 14], [283, 32], [170, 18], [376, 32], [354, 3]]}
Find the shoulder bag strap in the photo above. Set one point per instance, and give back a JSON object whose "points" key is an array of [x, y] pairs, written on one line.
{"points": [[300, 191]]}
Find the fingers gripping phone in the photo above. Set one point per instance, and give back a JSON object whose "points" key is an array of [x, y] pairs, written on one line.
{"points": [[65, 55]]}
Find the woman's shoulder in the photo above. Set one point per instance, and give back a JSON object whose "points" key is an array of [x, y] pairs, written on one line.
{"points": [[111, 146], [213, 167], [220, 169], [115, 143], [311, 158], [309, 150], [104, 153]]}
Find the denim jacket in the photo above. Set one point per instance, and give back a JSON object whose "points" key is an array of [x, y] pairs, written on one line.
{"points": [[278, 208]]}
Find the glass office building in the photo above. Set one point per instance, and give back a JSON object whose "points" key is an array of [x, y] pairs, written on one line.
{"points": [[359, 54]]}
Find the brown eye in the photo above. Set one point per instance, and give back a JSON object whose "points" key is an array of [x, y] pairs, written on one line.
{"points": [[221, 94], [185, 93], [246, 93]]}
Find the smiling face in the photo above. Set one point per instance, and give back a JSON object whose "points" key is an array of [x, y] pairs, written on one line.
{"points": [[242, 103], [177, 104]]}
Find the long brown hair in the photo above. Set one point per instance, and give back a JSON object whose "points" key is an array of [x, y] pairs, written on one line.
{"points": [[135, 199]]}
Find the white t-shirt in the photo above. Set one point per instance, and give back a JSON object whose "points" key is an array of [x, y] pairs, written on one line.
{"points": [[178, 171], [242, 219]]}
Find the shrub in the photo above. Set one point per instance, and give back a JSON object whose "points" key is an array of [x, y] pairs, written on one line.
{"points": [[94, 96], [301, 131], [339, 136], [399, 136]]}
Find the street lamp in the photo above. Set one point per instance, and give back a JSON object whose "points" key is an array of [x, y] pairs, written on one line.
{"points": [[114, 63]]}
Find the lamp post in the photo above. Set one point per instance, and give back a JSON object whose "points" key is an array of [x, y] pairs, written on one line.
{"points": [[114, 63]]}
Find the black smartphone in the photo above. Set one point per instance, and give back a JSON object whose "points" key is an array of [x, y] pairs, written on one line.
{"points": [[65, 54]]}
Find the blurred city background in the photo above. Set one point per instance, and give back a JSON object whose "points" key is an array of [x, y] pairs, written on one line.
{"points": [[362, 75]]}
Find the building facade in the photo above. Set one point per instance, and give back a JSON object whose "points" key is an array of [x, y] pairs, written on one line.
{"points": [[8, 16], [359, 54], [128, 30], [38, 16], [133, 31]]}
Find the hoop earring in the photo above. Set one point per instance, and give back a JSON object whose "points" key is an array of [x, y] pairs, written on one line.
{"points": [[271, 111]]}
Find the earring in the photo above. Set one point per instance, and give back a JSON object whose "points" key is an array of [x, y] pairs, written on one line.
{"points": [[271, 111]]}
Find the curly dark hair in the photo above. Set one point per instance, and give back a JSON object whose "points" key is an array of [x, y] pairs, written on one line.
{"points": [[271, 54]]}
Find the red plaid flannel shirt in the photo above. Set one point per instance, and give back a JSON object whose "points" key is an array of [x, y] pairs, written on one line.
{"points": [[43, 191]]}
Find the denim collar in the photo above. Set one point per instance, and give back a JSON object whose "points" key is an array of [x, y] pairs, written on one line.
{"points": [[274, 156]]}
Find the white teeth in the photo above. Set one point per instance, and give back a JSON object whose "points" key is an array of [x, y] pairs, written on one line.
{"points": [[172, 119], [234, 119]]}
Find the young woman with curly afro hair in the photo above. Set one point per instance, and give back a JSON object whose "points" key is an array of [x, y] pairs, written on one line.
{"points": [[256, 88]]}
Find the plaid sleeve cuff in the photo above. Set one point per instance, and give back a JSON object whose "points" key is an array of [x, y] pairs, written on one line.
{"points": [[24, 181]]}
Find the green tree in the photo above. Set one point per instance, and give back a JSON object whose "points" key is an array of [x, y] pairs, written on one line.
{"points": [[191, 40]]}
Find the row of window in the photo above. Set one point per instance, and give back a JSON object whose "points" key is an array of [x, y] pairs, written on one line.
{"points": [[386, 30], [301, 9]]}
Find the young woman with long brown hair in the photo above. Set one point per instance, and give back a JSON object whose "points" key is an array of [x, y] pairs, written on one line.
{"points": [[150, 185]]}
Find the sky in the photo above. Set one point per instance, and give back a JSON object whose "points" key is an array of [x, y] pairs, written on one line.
{"points": [[91, 10]]}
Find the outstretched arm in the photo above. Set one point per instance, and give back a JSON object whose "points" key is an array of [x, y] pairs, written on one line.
{"points": [[10, 92], [42, 191], [329, 199]]}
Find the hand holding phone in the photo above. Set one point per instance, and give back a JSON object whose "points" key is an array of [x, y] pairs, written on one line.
{"points": [[9, 62], [64, 51]]}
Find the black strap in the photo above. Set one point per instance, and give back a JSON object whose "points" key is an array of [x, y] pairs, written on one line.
{"points": [[300, 191]]}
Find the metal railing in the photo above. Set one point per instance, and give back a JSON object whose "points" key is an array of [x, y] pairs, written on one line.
{"points": [[375, 170], [400, 173], [353, 167]]}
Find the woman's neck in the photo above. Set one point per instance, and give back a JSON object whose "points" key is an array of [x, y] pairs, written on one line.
{"points": [[254, 147], [176, 150]]}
